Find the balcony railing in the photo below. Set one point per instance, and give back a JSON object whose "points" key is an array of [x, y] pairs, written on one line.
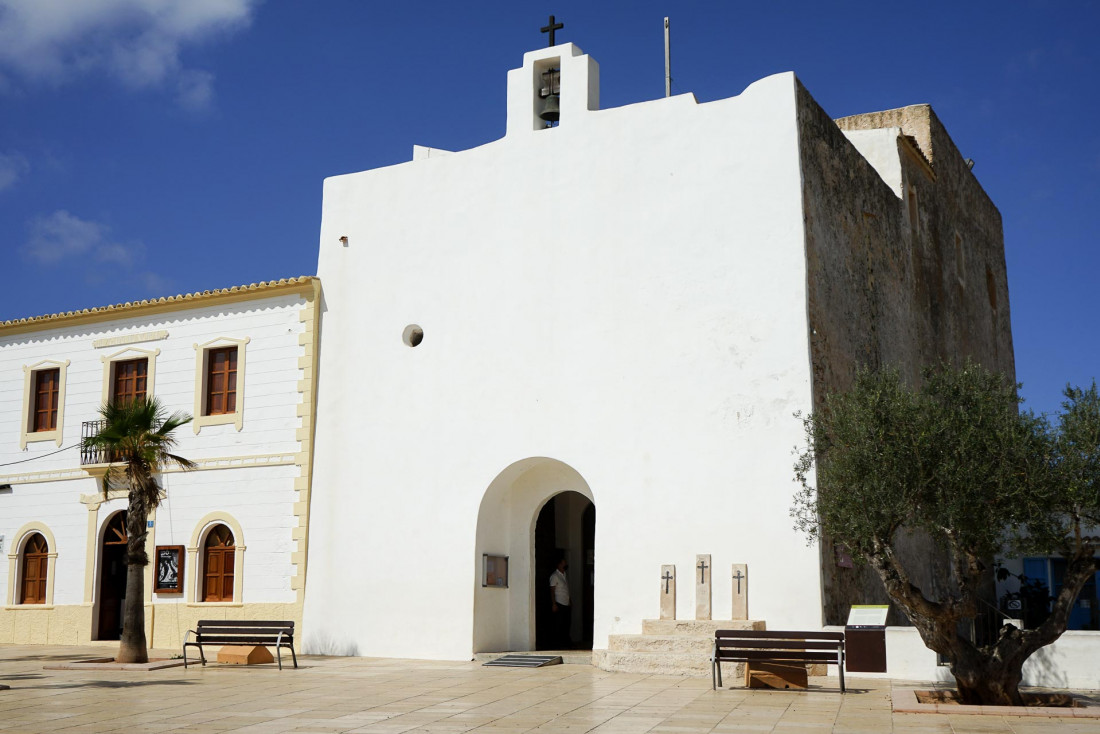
{"points": [[89, 429]]}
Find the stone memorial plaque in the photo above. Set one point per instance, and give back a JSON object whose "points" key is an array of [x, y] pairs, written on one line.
{"points": [[740, 586], [702, 586], [668, 592]]}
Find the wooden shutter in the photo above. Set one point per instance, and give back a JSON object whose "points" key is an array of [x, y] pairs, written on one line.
{"points": [[221, 381], [130, 381], [47, 384]]}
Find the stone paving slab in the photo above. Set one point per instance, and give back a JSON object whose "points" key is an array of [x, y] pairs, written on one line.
{"points": [[329, 695]]}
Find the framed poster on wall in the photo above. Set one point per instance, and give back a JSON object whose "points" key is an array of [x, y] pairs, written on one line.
{"points": [[495, 571], [169, 577]]}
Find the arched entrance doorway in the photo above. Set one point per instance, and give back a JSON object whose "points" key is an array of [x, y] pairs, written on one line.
{"points": [[533, 510], [112, 577], [565, 529]]}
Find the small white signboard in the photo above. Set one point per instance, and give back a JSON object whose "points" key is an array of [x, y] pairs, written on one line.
{"points": [[868, 615]]}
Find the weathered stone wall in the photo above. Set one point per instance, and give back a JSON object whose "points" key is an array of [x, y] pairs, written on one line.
{"points": [[885, 290]]}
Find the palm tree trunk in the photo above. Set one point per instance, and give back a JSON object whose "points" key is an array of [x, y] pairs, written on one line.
{"points": [[133, 647]]}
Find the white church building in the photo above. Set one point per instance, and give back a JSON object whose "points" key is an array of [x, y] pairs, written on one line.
{"points": [[586, 340], [590, 338]]}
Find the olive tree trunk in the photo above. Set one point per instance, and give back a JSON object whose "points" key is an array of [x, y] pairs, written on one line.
{"points": [[133, 647], [989, 675]]}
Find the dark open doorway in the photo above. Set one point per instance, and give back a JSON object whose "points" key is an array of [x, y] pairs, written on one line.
{"points": [[566, 527], [112, 578]]}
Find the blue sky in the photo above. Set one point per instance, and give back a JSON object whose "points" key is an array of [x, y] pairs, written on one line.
{"points": [[150, 147]]}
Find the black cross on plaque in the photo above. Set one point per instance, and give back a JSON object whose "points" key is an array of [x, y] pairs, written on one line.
{"points": [[550, 28], [702, 571], [737, 577], [667, 577]]}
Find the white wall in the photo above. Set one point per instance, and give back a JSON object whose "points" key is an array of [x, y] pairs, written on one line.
{"points": [[57, 506], [1069, 662], [270, 385], [880, 148], [624, 294]]}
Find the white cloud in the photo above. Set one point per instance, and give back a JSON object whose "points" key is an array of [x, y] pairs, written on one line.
{"points": [[12, 167], [63, 240], [138, 42], [195, 89], [119, 254], [61, 235]]}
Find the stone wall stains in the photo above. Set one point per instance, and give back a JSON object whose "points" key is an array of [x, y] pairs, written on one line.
{"points": [[884, 289]]}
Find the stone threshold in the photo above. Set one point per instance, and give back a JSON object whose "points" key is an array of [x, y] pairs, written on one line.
{"points": [[110, 664], [904, 701]]}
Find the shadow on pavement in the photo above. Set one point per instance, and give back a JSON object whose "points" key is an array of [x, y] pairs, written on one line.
{"points": [[110, 684]]}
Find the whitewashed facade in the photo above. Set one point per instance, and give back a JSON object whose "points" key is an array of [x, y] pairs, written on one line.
{"points": [[253, 461], [620, 312], [570, 283]]}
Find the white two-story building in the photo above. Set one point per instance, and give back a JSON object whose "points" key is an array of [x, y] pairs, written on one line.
{"points": [[229, 539]]}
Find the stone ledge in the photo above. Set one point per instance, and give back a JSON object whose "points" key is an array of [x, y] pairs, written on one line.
{"points": [[698, 627], [904, 701]]}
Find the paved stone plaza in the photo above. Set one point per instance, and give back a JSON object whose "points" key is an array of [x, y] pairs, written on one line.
{"points": [[383, 695]]}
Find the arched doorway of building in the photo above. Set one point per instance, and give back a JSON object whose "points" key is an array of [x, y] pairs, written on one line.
{"points": [[533, 510], [112, 577], [565, 529]]}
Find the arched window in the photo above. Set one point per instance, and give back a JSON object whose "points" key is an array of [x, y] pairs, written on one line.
{"points": [[35, 565], [218, 558]]}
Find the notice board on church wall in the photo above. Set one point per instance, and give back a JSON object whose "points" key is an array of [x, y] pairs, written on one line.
{"points": [[169, 577], [495, 571]]}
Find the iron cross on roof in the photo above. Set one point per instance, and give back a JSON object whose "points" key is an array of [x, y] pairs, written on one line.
{"points": [[550, 28]]}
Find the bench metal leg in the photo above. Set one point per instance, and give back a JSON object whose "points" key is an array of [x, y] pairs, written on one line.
{"points": [[719, 664], [295, 657], [279, 654], [840, 667]]}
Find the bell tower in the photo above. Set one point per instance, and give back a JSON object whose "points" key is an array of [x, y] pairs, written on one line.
{"points": [[555, 85]]}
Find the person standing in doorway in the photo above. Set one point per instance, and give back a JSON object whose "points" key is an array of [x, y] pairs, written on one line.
{"points": [[559, 599]]}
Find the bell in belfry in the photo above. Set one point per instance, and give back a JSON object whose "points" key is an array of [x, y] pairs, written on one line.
{"points": [[549, 95]]}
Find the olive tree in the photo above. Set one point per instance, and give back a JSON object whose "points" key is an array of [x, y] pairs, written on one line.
{"points": [[958, 460]]}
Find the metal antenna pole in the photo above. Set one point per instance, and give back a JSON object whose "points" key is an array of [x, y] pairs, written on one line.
{"points": [[668, 63]]}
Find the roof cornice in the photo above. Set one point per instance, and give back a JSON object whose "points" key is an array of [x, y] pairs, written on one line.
{"points": [[164, 304]]}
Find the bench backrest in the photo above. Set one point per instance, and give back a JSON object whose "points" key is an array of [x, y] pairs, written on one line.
{"points": [[243, 632], [760, 645]]}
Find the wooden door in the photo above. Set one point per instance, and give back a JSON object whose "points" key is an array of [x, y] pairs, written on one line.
{"points": [[112, 578], [219, 556], [33, 588]]}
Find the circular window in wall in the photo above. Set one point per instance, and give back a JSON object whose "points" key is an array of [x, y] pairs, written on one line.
{"points": [[412, 336]]}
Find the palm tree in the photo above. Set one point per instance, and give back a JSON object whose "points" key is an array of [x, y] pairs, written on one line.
{"points": [[137, 439]]}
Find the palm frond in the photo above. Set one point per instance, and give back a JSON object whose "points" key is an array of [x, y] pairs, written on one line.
{"points": [[139, 437]]}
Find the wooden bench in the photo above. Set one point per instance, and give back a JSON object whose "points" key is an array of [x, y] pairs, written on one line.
{"points": [[798, 648], [241, 632]]}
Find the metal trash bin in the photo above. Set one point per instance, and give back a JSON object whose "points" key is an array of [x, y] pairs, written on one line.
{"points": [[865, 649]]}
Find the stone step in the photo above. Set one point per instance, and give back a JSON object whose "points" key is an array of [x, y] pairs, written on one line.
{"points": [[698, 627], [702, 645], [693, 665]]}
